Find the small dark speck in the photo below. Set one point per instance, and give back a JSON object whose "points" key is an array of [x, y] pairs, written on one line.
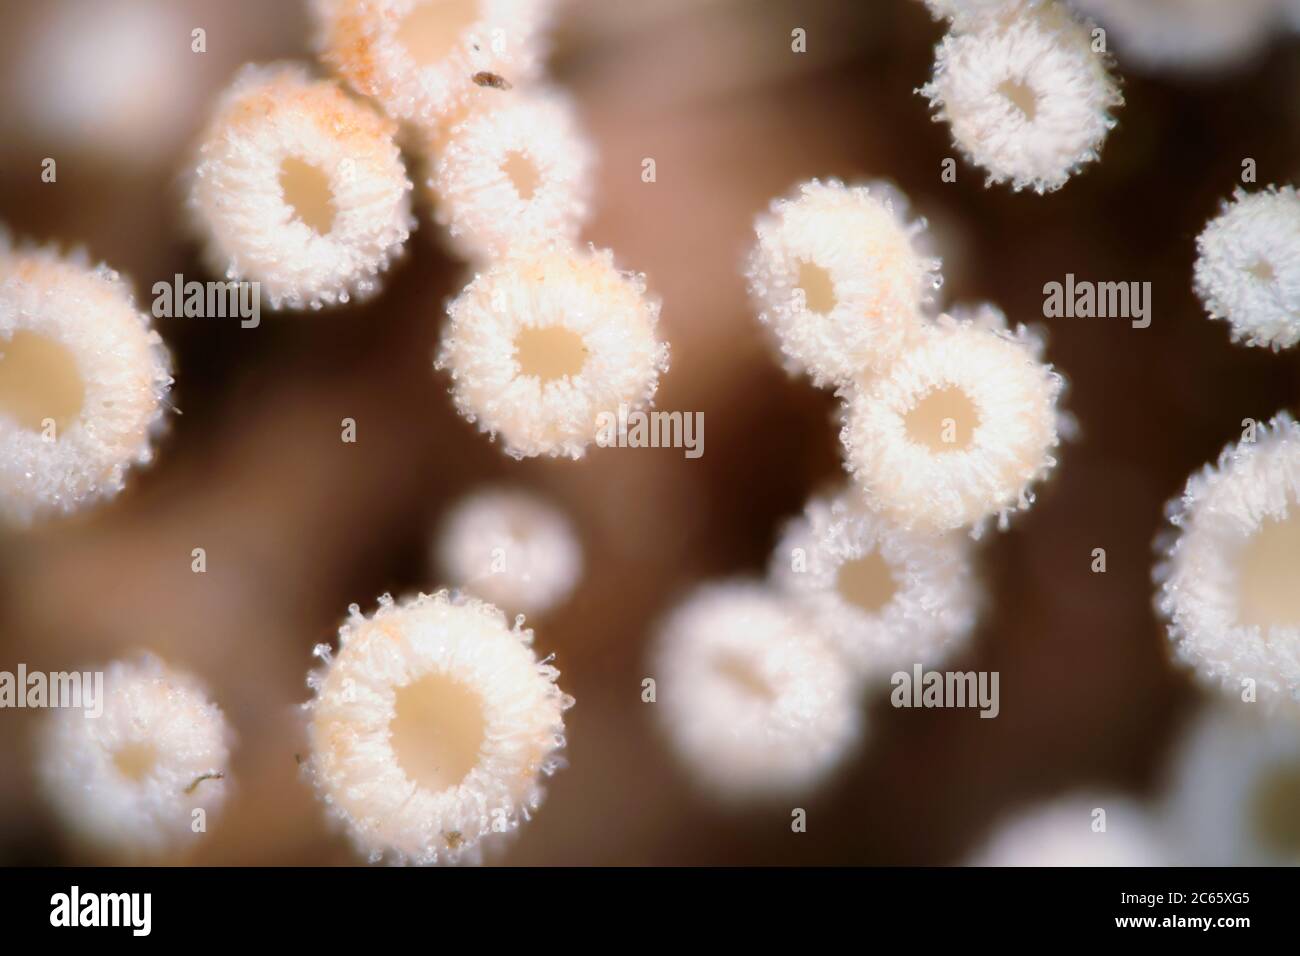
{"points": [[494, 80], [212, 775]]}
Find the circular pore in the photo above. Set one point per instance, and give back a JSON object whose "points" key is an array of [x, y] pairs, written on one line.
{"points": [[550, 353], [437, 731], [433, 29], [944, 420], [308, 193], [867, 583], [1268, 575], [818, 288], [39, 381]]}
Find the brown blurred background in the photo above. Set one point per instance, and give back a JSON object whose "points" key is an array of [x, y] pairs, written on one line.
{"points": [[297, 524]]}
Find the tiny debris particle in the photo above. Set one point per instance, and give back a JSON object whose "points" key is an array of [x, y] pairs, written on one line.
{"points": [[454, 839], [213, 775], [495, 80]]}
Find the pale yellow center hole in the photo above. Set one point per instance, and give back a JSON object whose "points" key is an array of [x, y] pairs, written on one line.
{"points": [[1021, 96], [549, 353], [867, 582], [1263, 271], [135, 761], [308, 193], [818, 290], [1275, 810], [744, 677], [523, 175], [437, 731], [1268, 572], [431, 31], [39, 380], [944, 420]]}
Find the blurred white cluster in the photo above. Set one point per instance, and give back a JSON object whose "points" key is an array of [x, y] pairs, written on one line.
{"points": [[149, 774], [115, 77], [83, 382], [431, 728], [1077, 830], [838, 275], [1248, 267], [883, 597], [1186, 35], [1026, 91], [1227, 579], [1233, 794], [300, 188], [755, 704], [511, 548], [541, 345]]}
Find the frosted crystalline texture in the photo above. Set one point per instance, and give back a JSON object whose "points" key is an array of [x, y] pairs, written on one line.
{"points": [[1233, 796], [1185, 35], [1227, 584], [432, 727], [300, 188], [973, 14], [83, 381], [512, 175], [128, 781], [1248, 267], [419, 58], [837, 274], [957, 430], [541, 344], [1026, 97], [1060, 833], [511, 548], [883, 597], [752, 700]]}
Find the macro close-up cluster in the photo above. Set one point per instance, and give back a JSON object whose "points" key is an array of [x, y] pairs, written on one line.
{"points": [[619, 433]]}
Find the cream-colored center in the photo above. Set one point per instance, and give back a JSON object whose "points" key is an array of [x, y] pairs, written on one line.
{"points": [[867, 582], [522, 173], [437, 731], [1263, 271], [944, 420], [39, 380], [1268, 574], [1022, 96], [744, 677], [818, 289], [135, 761], [549, 353], [307, 191], [431, 31]]}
